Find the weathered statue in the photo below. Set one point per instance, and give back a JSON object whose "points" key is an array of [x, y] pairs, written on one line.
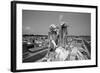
{"points": [[63, 32], [52, 34], [57, 41]]}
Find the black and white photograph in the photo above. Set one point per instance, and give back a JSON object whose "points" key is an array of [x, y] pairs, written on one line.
{"points": [[47, 36], [55, 36]]}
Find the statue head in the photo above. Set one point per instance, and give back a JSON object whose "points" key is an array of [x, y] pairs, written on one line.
{"points": [[53, 27]]}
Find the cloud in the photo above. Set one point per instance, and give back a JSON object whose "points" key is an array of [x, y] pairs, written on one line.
{"points": [[27, 28]]}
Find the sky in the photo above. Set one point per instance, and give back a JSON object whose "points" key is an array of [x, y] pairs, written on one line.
{"points": [[38, 22]]}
